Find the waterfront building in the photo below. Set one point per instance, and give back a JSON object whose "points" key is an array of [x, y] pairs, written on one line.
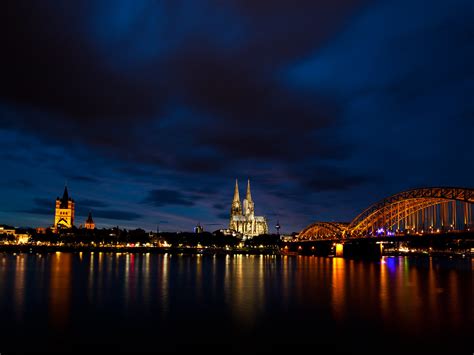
{"points": [[64, 213], [4, 229], [90, 222], [242, 217]]}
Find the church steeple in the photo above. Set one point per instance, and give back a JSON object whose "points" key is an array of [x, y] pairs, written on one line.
{"points": [[90, 222], [248, 203], [236, 193], [249, 195], [65, 199], [236, 208], [65, 195]]}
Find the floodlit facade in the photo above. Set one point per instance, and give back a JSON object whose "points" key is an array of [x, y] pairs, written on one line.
{"points": [[242, 217], [64, 213]]}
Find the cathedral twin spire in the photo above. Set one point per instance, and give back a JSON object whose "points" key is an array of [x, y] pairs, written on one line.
{"points": [[236, 206], [249, 195], [236, 192], [242, 215]]}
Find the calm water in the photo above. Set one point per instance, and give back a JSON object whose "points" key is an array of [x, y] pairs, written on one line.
{"points": [[81, 301]]}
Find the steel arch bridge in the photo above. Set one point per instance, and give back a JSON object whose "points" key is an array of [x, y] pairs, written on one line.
{"points": [[323, 230], [416, 210]]}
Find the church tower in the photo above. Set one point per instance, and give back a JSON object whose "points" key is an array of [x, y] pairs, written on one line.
{"points": [[90, 222], [64, 213], [236, 209], [249, 207]]}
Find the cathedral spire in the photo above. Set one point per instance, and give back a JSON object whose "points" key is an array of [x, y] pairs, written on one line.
{"points": [[236, 192], [249, 195], [236, 208]]}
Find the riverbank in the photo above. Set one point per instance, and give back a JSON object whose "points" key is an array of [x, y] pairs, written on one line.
{"points": [[25, 248], [44, 249]]}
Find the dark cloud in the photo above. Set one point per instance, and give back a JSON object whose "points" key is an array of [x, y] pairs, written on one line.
{"points": [[244, 109], [44, 202], [47, 64], [40, 211], [117, 215], [19, 183], [223, 215], [91, 204], [329, 178], [165, 197], [220, 206], [83, 178]]}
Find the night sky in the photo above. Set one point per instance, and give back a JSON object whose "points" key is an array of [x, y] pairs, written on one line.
{"points": [[150, 109]]}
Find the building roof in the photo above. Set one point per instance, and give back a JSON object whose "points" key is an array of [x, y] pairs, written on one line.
{"points": [[89, 219], [65, 199]]}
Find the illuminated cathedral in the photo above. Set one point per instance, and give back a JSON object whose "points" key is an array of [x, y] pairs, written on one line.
{"points": [[242, 218], [64, 213]]}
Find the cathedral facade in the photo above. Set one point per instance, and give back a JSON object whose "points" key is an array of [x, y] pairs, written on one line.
{"points": [[64, 212], [242, 217]]}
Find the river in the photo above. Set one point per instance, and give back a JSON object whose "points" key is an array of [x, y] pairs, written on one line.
{"points": [[163, 302]]}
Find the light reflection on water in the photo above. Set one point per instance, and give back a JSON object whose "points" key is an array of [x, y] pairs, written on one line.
{"points": [[241, 293]]}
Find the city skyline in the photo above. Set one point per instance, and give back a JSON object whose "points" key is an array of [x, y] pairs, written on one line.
{"points": [[151, 111]]}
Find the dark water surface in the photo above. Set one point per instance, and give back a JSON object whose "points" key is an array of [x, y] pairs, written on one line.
{"points": [[119, 302]]}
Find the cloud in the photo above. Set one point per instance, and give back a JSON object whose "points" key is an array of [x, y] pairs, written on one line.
{"points": [[83, 178], [91, 204], [165, 197], [234, 104], [219, 206], [40, 211], [117, 215], [19, 183], [44, 202], [223, 215], [329, 178]]}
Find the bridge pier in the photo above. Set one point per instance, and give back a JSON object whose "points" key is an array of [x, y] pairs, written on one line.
{"points": [[362, 249]]}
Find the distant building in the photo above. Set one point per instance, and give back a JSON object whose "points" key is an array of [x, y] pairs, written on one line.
{"points": [[243, 219], [4, 229], [22, 236], [90, 222], [228, 232], [64, 213], [198, 228], [287, 238]]}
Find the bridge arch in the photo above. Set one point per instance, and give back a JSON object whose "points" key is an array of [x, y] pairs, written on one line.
{"points": [[412, 210], [323, 230], [407, 208]]}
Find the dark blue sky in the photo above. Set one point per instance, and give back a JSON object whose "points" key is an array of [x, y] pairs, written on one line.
{"points": [[151, 109]]}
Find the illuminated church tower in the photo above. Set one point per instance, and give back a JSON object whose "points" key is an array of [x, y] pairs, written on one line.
{"points": [[90, 222], [64, 214], [243, 220]]}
